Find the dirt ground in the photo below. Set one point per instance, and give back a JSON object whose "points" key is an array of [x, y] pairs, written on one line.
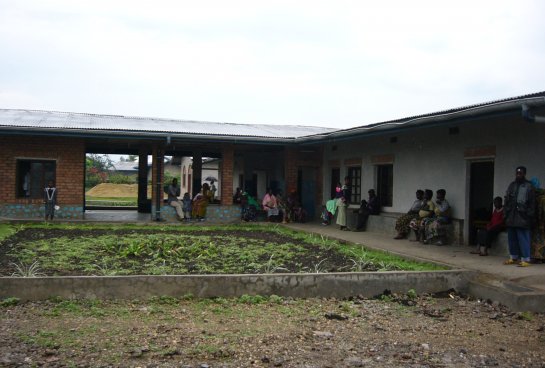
{"points": [[446, 330], [395, 331], [113, 190]]}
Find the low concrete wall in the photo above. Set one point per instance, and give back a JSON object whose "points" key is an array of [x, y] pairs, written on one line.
{"points": [[336, 285], [215, 213], [37, 211]]}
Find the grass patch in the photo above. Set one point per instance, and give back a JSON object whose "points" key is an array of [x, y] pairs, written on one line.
{"points": [[6, 230], [105, 250]]}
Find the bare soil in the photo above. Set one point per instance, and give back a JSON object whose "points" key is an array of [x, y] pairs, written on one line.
{"points": [[113, 190], [448, 331]]}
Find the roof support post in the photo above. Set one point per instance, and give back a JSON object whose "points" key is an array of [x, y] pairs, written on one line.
{"points": [[197, 172], [143, 203], [157, 195], [226, 174]]}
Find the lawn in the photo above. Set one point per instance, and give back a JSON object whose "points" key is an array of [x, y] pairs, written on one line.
{"points": [[105, 250]]}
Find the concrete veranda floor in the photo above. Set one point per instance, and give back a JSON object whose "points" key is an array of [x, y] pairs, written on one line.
{"points": [[456, 256]]}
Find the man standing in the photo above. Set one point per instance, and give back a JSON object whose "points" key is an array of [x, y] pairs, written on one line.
{"points": [[519, 211], [173, 193]]}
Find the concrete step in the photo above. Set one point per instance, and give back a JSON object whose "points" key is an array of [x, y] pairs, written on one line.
{"points": [[518, 295]]}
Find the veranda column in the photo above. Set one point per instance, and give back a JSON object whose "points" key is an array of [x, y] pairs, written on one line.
{"points": [[227, 166], [157, 182], [197, 172], [143, 204], [290, 167]]}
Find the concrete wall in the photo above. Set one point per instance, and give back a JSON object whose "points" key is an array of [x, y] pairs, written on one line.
{"points": [[336, 285], [432, 158]]}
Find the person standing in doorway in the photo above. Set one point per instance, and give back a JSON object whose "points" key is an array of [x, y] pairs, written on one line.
{"points": [[50, 200], [519, 210]]}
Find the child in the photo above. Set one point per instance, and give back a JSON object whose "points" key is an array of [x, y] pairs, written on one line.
{"points": [[186, 206], [485, 237], [50, 200], [325, 216]]}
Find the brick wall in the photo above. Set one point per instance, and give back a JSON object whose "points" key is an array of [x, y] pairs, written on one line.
{"points": [[227, 166], [69, 155]]}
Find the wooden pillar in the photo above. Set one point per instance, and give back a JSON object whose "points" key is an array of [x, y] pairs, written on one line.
{"points": [[157, 181], [226, 174], [197, 173], [144, 205]]}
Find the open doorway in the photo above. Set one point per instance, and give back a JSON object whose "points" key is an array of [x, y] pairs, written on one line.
{"points": [[306, 188], [481, 195], [335, 179], [117, 182]]}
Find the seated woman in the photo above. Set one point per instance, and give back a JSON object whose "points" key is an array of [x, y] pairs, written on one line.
{"points": [[200, 203], [249, 207], [270, 205], [402, 223], [425, 215], [434, 229], [486, 236]]}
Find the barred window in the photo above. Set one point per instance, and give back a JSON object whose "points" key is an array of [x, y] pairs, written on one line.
{"points": [[354, 173]]}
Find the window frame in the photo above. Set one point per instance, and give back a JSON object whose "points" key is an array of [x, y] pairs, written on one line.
{"points": [[45, 174], [386, 199], [354, 174]]}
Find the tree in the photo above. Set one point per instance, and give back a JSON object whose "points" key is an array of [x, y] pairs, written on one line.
{"points": [[96, 169]]}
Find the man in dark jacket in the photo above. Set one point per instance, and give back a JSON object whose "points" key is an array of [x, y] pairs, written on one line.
{"points": [[519, 217]]}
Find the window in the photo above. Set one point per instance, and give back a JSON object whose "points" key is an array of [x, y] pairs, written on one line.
{"points": [[184, 183], [33, 176], [385, 184], [354, 173]]}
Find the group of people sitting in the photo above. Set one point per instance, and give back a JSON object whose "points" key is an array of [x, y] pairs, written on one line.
{"points": [[275, 207], [188, 208], [339, 205], [426, 218]]}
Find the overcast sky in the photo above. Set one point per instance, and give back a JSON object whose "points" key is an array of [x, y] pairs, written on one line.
{"points": [[337, 63]]}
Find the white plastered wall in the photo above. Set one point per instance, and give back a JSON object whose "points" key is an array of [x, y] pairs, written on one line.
{"points": [[431, 158]]}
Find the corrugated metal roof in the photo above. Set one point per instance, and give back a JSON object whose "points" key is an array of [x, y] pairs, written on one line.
{"points": [[95, 122], [466, 112], [130, 126]]}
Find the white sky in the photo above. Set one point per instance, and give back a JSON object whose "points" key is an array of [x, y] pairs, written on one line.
{"points": [[337, 63]]}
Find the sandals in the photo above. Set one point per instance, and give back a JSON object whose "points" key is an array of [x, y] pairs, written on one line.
{"points": [[510, 261]]}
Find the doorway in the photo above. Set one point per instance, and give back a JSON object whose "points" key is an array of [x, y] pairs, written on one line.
{"points": [[335, 178], [306, 187], [481, 196]]}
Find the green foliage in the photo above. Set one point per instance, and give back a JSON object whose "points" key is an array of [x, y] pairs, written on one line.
{"points": [[525, 316], [166, 249], [6, 230], [9, 302], [23, 270], [164, 300], [275, 299], [252, 299], [411, 294], [167, 179], [116, 178]]}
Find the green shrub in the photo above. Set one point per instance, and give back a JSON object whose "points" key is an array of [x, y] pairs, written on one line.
{"points": [[121, 179], [9, 302]]}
